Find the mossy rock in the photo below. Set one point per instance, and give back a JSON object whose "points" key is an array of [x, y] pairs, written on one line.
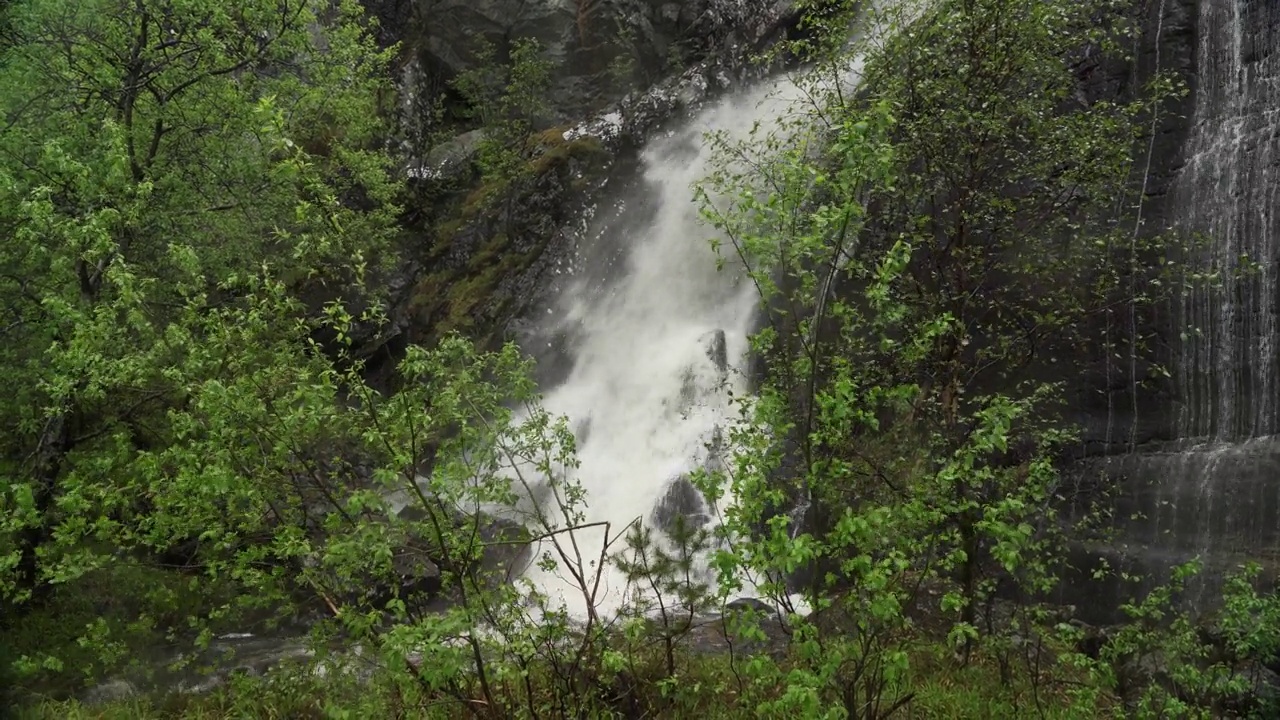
{"points": [[549, 150], [585, 149], [445, 232], [497, 230]]}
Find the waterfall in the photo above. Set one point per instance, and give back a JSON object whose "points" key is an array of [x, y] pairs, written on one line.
{"points": [[1220, 483], [1213, 492], [657, 335], [658, 339], [1228, 362]]}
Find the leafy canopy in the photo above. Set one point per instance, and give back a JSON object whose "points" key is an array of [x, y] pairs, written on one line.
{"points": [[174, 176]]}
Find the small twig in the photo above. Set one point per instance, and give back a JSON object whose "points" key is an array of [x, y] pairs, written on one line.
{"points": [[332, 606]]}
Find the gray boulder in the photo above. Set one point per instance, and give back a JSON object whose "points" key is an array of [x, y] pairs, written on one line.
{"points": [[718, 351], [681, 503], [452, 159]]}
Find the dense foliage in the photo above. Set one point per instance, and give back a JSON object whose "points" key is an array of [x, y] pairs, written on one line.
{"points": [[193, 193], [176, 179]]}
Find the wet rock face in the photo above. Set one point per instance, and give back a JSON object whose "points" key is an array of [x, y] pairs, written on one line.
{"points": [[1119, 404], [488, 264], [1212, 168], [1229, 369], [681, 504], [600, 49], [1202, 479]]}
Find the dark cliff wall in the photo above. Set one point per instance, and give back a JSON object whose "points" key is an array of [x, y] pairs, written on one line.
{"points": [[479, 266], [1211, 174], [1122, 399], [599, 49], [1229, 379], [1194, 467]]}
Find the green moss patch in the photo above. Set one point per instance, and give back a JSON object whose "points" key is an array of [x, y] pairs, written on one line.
{"points": [[453, 299]]}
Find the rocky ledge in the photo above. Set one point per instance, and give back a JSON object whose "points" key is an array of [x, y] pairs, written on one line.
{"points": [[473, 264]]}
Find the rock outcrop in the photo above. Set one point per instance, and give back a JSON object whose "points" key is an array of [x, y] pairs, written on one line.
{"points": [[681, 509], [478, 266], [600, 49]]}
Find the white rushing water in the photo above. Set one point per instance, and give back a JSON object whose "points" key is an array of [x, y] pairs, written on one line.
{"points": [[1228, 367], [647, 392]]}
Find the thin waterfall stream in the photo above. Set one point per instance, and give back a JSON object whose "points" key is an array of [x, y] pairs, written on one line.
{"points": [[1200, 480]]}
